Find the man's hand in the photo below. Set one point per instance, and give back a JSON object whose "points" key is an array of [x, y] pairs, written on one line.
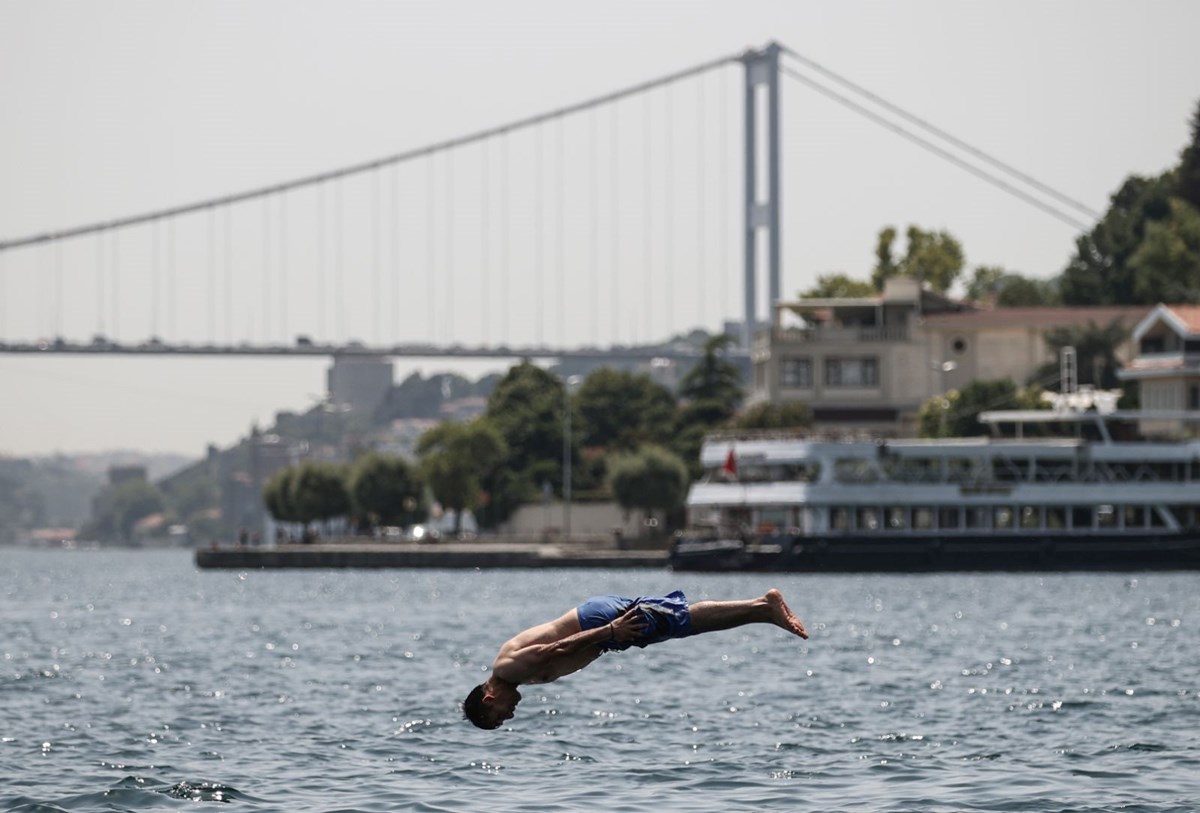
{"points": [[629, 627]]}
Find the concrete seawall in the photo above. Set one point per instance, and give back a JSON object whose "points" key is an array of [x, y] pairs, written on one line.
{"points": [[444, 555]]}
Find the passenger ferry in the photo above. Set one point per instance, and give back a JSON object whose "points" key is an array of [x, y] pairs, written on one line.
{"points": [[1084, 501]]}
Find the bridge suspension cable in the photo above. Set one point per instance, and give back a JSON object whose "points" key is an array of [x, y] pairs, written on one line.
{"points": [[379, 163], [942, 152], [940, 133]]}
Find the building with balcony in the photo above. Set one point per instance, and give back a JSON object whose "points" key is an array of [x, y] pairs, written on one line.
{"points": [[869, 363], [1167, 370]]}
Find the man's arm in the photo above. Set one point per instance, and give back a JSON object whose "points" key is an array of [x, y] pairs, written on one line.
{"points": [[545, 662]]}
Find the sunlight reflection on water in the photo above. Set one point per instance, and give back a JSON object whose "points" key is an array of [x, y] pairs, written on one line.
{"points": [[131, 681]]}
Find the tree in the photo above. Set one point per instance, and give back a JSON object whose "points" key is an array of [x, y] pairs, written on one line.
{"points": [[1022, 292], [651, 480], [932, 258], [1166, 265], [620, 410], [955, 414], [1188, 174], [319, 492], [766, 415], [454, 456], [387, 490], [839, 286], [885, 264], [1010, 290], [526, 407], [1096, 360], [132, 501], [277, 495], [713, 377], [1100, 272]]}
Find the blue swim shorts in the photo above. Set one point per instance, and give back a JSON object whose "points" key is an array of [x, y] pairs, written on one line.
{"points": [[665, 617]]}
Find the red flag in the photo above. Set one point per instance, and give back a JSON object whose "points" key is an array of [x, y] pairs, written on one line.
{"points": [[730, 467]]}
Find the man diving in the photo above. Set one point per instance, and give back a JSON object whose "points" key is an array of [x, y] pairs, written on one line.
{"points": [[604, 623]]}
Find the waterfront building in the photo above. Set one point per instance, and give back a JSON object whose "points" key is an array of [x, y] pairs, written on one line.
{"points": [[868, 363]]}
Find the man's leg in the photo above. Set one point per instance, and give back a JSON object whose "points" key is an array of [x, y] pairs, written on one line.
{"points": [[710, 616]]}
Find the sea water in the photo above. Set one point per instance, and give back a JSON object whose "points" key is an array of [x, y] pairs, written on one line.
{"points": [[132, 681]]}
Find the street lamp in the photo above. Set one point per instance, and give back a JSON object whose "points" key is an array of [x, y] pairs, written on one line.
{"points": [[568, 382], [942, 368]]}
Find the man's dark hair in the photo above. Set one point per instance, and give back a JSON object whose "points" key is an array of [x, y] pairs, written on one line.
{"points": [[475, 711]]}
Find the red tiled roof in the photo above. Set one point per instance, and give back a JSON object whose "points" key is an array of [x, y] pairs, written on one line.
{"points": [[1041, 317], [1188, 314]]}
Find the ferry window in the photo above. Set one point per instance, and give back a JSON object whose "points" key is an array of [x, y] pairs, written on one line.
{"points": [[801, 472], [897, 518], [959, 471], [1081, 516], [854, 470], [1056, 518], [796, 373], [1106, 516], [1156, 520], [839, 519], [1194, 396], [862, 372], [1002, 517], [1188, 516], [1030, 516], [948, 519], [1135, 516], [868, 519], [977, 518], [922, 518], [773, 518]]}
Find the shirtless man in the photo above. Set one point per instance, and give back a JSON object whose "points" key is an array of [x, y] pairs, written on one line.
{"points": [[576, 638]]}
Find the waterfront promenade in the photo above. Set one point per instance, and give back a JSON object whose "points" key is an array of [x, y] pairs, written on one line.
{"points": [[473, 554]]}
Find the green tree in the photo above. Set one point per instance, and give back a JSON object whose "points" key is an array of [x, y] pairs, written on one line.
{"points": [[713, 377], [1188, 174], [886, 266], [387, 490], [620, 410], [783, 415], [277, 495], [1096, 360], [132, 501], [955, 414], [1023, 292], [1166, 265], [1010, 290], [986, 282], [839, 286], [933, 258], [650, 480], [319, 492], [526, 407], [1100, 273], [453, 458]]}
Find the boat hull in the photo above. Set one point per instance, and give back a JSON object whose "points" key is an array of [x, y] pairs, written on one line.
{"points": [[918, 554]]}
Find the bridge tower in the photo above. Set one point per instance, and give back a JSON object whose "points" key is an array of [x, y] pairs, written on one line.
{"points": [[761, 204]]}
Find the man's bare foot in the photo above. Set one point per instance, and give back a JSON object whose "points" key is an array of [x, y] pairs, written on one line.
{"points": [[782, 615]]}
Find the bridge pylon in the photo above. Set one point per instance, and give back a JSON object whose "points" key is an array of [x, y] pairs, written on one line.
{"points": [[761, 204]]}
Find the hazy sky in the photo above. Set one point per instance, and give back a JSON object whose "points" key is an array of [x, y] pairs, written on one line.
{"points": [[118, 108]]}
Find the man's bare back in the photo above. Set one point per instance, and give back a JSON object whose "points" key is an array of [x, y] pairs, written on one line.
{"points": [[549, 651]]}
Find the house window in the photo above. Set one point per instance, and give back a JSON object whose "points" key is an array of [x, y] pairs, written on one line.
{"points": [[796, 373], [861, 372]]}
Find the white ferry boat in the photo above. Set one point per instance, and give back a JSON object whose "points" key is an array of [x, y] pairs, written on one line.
{"points": [[1086, 501]]}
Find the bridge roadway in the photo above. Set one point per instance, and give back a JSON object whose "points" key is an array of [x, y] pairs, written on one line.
{"points": [[154, 347]]}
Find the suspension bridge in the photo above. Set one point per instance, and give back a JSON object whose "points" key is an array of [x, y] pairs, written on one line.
{"points": [[595, 230]]}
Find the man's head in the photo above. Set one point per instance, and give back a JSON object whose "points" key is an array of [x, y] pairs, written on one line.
{"points": [[491, 703]]}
